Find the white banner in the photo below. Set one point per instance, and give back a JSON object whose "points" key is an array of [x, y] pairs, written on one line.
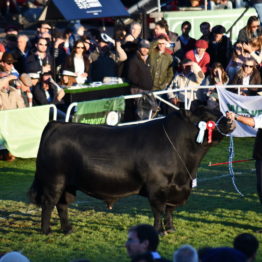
{"points": [[242, 105]]}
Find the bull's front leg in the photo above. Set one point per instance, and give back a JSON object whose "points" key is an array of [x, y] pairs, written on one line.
{"points": [[168, 219], [62, 210], [45, 218], [158, 212]]}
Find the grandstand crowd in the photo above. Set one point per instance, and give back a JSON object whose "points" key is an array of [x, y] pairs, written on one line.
{"points": [[35, 70]]}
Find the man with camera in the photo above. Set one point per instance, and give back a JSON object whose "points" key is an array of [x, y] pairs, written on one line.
{"points": [[47, 91], [9, 95]]}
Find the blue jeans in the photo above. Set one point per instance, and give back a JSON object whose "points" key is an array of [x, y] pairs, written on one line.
{"points": [[258, 8]]}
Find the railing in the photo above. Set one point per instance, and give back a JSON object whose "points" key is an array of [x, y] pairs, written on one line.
{"points": [[188, 92]]}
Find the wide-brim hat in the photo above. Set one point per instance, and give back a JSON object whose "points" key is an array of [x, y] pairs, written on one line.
{"points": [[8, 58], [68, 73]]}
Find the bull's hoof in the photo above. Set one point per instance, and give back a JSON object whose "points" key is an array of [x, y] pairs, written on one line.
{"points": [[163, 233], [171, 230], [67, 230]]}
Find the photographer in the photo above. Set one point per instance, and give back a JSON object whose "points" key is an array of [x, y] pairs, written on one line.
{"points": [[10, 97], [106, 58], [190, 76], [47, 91]]}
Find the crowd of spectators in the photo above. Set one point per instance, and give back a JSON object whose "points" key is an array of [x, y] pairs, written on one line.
{"points": [[143, 241], [38, 67]]}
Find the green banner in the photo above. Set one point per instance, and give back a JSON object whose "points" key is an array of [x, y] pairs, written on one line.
{"points": [[96, 111], [21, 130], [225, 17]]}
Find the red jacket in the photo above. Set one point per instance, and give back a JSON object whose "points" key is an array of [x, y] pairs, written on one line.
{"points": [[203, 63]]}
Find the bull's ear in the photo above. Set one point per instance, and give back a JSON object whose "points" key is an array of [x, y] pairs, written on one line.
{"points": [[186, 113], [196, 105]]}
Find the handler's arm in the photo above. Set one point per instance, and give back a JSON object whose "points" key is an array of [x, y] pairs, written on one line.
{"points": [[249, 121]]}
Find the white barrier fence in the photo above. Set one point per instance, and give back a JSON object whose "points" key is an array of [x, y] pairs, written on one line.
{"points": [[189, 92]]}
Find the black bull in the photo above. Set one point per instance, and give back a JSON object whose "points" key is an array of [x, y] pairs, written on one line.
{"points": [[157, 160]]}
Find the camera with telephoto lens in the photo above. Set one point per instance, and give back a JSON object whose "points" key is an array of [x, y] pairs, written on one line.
{"points": [[13, 83]]}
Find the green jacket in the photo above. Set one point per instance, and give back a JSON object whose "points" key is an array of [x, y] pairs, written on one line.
{"points": [[161, 69]]}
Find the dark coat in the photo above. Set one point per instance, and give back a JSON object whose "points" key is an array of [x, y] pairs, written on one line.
{"points": [[221, 51], [157, 159], [255, 79], [19, 58], [39, 96], [32, 63], [139, 75], [245, 36]]}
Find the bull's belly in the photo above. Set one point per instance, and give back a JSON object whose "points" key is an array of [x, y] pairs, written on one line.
{"points": [[108, 188]]}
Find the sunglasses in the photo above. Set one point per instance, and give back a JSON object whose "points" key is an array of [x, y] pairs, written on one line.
{"points": [[250, 66], [8, 63], [80, 47]]}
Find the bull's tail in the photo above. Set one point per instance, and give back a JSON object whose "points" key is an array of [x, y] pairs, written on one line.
{"points": [[34, 193]]}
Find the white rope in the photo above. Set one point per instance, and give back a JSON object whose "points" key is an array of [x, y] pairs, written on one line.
{"points": [[230, 165]]}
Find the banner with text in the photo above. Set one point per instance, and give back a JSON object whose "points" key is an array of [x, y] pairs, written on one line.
{"points": [[242, 105]]}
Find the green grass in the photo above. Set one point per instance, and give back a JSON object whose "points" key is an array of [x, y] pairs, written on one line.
{"points": [[213, 216]]}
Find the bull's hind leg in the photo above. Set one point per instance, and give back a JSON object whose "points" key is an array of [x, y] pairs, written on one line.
{"points": [[62, 209], [45, 218]]}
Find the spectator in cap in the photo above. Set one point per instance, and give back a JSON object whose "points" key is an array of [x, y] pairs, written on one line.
{"points": [[35, 76], [199, 55], [220, 46], [7, 64], [68, 78], [25, 86], [250, 31], [247, 244], [161, 63], [191, 75], [139, 74]]}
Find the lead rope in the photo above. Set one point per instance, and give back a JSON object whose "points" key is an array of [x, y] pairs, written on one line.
{"points": [[177, 153], [230, 165]]}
